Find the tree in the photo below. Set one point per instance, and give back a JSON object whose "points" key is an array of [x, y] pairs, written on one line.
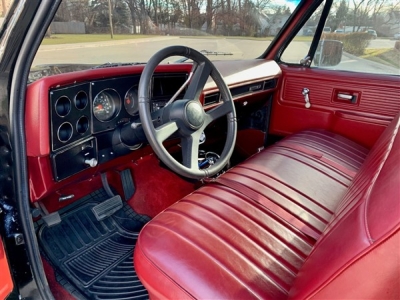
{"points": [[341, 15]]}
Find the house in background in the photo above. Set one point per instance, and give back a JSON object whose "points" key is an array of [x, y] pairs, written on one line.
{"points": [[4, 6]]}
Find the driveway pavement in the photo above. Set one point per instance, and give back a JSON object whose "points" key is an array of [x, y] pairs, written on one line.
{"points": [[140, 50]]}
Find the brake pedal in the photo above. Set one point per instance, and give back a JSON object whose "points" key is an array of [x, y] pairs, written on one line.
{"points": [[107, 208]]}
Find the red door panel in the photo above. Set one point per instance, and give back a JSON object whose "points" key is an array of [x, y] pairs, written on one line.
{"points": [[6, 284], [344, 102]]}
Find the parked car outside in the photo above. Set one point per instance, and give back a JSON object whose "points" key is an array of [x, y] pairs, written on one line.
{"points": [[327, 29], [372, 33], [339, 31]]}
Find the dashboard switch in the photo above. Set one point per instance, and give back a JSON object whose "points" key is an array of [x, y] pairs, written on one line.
{"points": [[91, 162]]}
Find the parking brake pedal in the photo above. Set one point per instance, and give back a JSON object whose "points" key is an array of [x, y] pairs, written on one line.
{"points": [[52, 219], [107, 208]]}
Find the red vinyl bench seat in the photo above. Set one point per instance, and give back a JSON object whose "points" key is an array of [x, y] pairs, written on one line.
{"points": [[315, 215]]}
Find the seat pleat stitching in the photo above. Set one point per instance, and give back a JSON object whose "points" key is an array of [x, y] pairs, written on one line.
{"points": [[156, 223], [333, 225], [238, 253], [327, 146], [352, 147], [248, 167], [360, 184], [293, 214], [349, 161], [265, 184], [284, 263], [348, 147], [301, 237], [317, 162], [357, 187], [382, 159], [348, 200]]}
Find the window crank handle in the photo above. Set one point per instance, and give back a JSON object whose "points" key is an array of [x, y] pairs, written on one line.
{"points": [[305, 93]]}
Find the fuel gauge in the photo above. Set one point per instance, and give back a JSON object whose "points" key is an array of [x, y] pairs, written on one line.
{"points": [[131, 101]]}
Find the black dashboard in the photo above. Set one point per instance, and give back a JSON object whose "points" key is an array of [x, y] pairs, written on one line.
{"points": [[86, 119]]}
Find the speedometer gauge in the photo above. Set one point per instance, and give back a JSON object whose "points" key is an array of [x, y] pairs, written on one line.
{"points": [[106, 105], [131, 101]]}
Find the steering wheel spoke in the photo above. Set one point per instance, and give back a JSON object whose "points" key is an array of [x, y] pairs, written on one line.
{"points": [[199, 79], [165, 131], [218, 112], [190, 150]]}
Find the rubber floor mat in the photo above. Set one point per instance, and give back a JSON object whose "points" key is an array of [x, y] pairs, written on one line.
{"points": [[96, 256]]}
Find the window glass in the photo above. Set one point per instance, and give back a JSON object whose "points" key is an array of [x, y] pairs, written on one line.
{"points": [[368, 30], [126, 31]]}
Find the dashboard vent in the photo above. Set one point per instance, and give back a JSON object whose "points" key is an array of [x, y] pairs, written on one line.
{"points": [[269, 84], [253, 87], [211, 98], [242, 90]]}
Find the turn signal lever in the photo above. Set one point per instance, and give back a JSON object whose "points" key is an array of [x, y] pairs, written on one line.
{"points": [[129, 136]]}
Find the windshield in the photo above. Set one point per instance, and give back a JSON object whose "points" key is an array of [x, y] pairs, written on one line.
{"points": [[125, 31]]}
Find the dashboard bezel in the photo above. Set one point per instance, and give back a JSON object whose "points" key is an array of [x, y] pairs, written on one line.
{"points": [[38, 110]]}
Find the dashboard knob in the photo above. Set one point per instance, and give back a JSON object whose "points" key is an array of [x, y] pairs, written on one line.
{"points": [[91, 162]]}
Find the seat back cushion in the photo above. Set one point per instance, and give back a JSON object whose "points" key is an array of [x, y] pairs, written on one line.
{"points": [[358, 255]]}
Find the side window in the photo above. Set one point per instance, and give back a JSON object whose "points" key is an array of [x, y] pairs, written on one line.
{"points": [[367, 31]]}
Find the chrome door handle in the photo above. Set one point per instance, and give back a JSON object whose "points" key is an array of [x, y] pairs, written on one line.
{"points": [[348, 97], [345, 97]]}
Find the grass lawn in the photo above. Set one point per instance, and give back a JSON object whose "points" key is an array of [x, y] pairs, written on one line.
{"points": [[57, 39], [265, 38], [390, 57]]}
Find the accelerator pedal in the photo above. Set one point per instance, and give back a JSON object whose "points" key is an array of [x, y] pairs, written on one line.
{"points": [[107, 208]]}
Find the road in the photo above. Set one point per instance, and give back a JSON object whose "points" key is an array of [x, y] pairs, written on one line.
{"points": [[381, 43], [140, 50]]}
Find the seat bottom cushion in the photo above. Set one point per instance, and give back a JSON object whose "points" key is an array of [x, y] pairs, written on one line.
{"points": [[188, 243], [248, 235]]}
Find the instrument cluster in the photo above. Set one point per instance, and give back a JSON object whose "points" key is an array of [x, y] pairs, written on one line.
{"points": [[86, 109]]}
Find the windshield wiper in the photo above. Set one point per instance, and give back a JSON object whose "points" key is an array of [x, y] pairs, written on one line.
{"points": [[111, 65], [206, 53]]}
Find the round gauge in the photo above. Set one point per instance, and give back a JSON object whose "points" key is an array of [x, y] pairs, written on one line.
{"points": [[106, 105], [131, 101]]}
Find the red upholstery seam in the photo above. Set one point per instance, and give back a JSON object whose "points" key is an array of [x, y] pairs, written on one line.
{"points": [[179, 235], [306, 229], [274, 256], [318, 155], [316, 137], [291, 151], [283, 195], [254, 168], [306, 239], [389, 149]]}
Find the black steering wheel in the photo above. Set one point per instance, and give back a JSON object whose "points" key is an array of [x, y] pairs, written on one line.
{"points": [[186, 118]]}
